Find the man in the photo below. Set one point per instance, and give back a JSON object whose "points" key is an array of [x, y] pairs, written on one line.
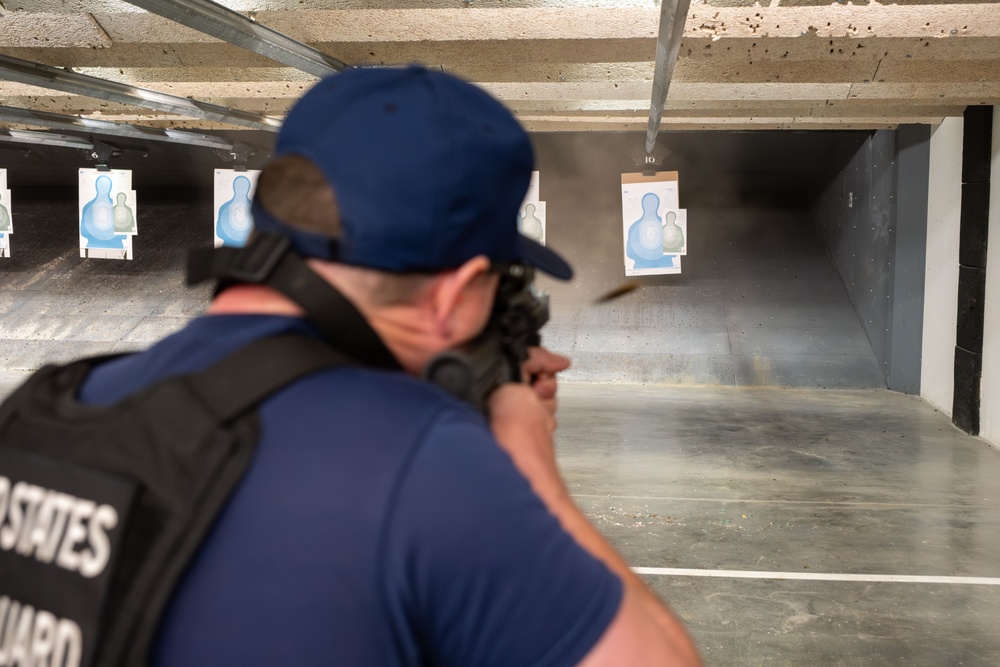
{"points": [[383, 522]]}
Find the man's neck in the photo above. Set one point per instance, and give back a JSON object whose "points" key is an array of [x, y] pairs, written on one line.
{"points": [[253, 300], [399, 331]]}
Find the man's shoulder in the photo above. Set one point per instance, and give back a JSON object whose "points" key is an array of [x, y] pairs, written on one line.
{"points": [[203, 342], [335, 396], [357, 392]]}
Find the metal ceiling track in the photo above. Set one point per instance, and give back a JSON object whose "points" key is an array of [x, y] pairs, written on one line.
{"points": [[44, 139], [60, 122], [673, 15], [44, 76], [230, 26]]}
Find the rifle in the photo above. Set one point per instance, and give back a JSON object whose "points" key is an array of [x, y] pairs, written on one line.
{"points": [[495, 357]]}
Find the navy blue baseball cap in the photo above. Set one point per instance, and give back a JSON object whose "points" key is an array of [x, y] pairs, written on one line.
{"points": [[428, 170]]}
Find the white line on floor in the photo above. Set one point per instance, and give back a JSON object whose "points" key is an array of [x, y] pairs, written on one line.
{"points": [[780, 501], [817, 576]]}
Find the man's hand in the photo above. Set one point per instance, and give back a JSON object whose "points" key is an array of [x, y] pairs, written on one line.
{"points": [[522, 417], [540, 369], [523, 425]]}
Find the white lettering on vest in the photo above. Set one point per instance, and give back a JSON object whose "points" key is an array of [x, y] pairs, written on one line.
{"points": [[76, 532], [4, 502], [92, 562], [32, 496], [36, 638], [52, 526]]}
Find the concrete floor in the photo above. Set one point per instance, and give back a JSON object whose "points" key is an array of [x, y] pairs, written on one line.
{"points": [[802, 483], [747, 490], [55, 306]]}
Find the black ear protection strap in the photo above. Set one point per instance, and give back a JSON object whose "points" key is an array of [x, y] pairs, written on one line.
{"points": [[268, 259]]}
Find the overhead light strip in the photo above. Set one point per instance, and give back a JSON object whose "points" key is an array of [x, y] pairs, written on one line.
{"points": [[61, 122], [44, 76], [44, 139], [213, 19], [673, 16]]}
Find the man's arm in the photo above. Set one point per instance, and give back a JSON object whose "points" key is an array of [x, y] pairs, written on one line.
{"points": [[643, 631]]}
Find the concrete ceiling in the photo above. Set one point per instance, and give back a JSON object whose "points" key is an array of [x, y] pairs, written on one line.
{"points": [[561, 65]]}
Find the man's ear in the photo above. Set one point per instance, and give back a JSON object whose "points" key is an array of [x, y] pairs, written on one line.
{"points": [[452, 290]]}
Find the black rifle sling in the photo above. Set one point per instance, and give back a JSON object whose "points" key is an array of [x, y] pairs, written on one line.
{"points": [[166, 458], [268, 260]]}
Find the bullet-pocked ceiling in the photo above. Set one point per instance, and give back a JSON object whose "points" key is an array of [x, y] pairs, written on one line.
{"points": [[559, 64]]}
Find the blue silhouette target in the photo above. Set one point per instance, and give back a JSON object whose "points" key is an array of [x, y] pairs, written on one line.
{"points": [[107, 214], [97, 222], [6, 219], [652, 239], [233, 194]]}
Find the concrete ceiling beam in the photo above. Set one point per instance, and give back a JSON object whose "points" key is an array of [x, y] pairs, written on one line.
{"points": [[811, 24], [863, 70], [738, 70], [429, 25], [937, 21], [144, 55], [433, 54], [274, 98], [679, 91], [671, 124], [109, 6], [501, 60], [939, 71], [787, 49], [146, 28], [231, 89], [52, 31], [534, 90], [712, 124], [818, 111], [148, 75], [636, 123], [71, 6], [96, 108], [961, 92]]}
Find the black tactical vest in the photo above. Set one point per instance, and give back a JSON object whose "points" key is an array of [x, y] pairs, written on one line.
{"points": [[102, 508]]}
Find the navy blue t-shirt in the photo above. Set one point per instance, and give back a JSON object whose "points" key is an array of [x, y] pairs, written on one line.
{"points": [[379, 524]]}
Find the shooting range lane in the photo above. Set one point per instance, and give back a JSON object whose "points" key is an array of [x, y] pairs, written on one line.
{"points": [[55, 305], [759, 303], [746, 483]]}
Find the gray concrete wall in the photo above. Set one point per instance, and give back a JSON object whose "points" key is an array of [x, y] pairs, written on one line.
{"points": [[855, 215], [909, 258], [872, 217]]}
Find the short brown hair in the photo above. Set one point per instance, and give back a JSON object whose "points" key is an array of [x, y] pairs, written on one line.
{"points": [[295, 191]]}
